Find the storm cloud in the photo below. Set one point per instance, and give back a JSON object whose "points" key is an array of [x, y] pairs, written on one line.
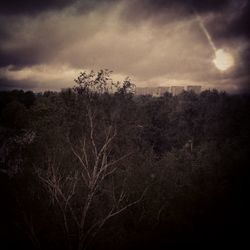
{"points": [[45, 45]]}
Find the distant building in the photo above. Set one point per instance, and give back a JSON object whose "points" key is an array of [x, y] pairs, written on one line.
{"points": [[143, 91], [162, 90], [176, 90], [195, 88], [154, 91]]}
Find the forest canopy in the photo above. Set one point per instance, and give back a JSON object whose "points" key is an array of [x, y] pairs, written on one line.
{"points": [[94, 165]]}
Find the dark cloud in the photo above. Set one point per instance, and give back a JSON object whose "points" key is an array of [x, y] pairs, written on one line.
{"points": [[207, 5], [233, 21], [34, 7], [7, 84], [240, 27], [143, 38], [140, 9], [201, 6], [20, 57], [149, 8], [30, 7]]}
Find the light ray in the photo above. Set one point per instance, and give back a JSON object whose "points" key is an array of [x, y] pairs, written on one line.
{"points": [[205, 31], [222, 60]]}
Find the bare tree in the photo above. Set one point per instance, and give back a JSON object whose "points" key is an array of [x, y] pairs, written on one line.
{"points": [[78, 193]]}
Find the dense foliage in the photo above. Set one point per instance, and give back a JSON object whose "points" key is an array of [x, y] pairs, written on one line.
{"points": [[178, 168]]}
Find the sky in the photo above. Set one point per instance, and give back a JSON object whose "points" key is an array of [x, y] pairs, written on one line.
{"points": [[44, 45]]}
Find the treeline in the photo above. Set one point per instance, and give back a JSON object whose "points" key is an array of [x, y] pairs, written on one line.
{"points": [[88, 169]]}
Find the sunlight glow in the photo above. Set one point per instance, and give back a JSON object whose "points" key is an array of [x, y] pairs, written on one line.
{"points": [[223, 60]]}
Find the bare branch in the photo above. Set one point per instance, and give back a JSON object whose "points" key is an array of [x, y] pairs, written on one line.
{"points": [[90, 116], [83, 144], [85, 168], [127, 206]]}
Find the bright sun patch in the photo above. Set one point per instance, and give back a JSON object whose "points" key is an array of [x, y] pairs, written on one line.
{"points": [[223, 60]]}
